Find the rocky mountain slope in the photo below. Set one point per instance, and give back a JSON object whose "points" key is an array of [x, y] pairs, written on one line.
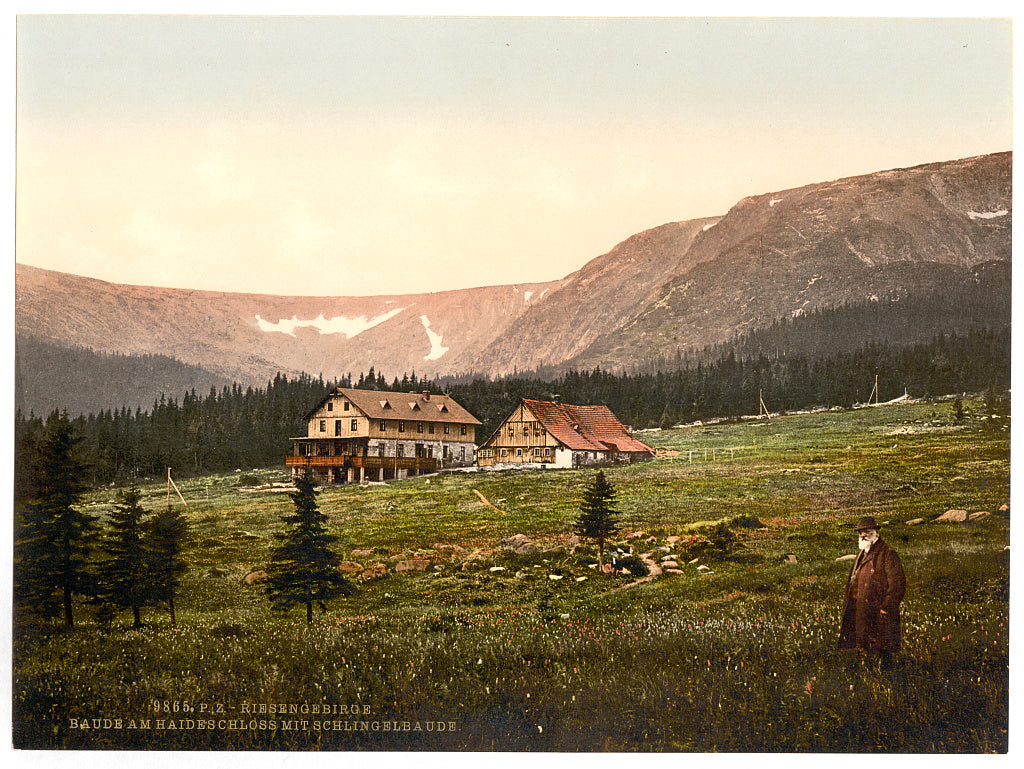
{"points": [[892, 236]]}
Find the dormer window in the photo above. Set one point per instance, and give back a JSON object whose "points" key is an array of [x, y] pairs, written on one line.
{"points": [[385, 405], [414, 406]]}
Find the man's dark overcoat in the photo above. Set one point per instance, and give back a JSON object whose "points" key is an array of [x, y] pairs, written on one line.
{"points": [[876, 582]]}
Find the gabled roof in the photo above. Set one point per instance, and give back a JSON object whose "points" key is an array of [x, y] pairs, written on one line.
{"points": [[380, 404], [585, 428]]}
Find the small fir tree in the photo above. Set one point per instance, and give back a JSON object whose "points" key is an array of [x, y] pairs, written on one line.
{"points": [[597, 515], [166, 536], [54, 538], [304, 568], [124, 574]]}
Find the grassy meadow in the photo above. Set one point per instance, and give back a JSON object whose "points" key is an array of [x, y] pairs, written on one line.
{"points": [[488, 650]]}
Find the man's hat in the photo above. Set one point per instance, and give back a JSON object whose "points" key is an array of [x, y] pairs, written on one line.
{"points": [[865, 523]]}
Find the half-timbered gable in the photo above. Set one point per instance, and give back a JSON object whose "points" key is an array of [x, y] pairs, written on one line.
{"points": [[560, 435]]}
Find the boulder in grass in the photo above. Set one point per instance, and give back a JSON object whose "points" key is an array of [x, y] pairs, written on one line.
{"points": [[449, 548], [981, 515], [376, 571], [519, 544], [952, 516], [362, 553], [915, 522], [412, 564], [350, 567], [255, 577], [848, 557]]}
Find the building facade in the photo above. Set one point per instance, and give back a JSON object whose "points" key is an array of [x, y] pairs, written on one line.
{"points": [[561, 435], [371, 435]]}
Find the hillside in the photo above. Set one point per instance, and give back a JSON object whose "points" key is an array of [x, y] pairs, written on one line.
{"points": [[895, 239], [886, 238], [81, 381]]}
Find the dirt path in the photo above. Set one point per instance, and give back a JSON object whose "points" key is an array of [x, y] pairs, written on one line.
{"points": [[487, 502]]}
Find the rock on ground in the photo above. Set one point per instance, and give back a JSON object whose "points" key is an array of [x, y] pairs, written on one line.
{"points": [[412, 564], [376, 571], [254, 577], [519, 544]]}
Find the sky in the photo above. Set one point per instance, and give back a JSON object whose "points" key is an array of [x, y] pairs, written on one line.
{"points": [[360, 155]]}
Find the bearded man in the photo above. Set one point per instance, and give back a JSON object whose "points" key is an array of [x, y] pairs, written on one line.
{"points": [[871, 609]]}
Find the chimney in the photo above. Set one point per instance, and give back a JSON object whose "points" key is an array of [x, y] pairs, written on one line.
{"points": [[426, 395]]}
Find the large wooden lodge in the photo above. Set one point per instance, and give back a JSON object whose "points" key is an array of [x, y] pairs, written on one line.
{"points": [[371, 435]]}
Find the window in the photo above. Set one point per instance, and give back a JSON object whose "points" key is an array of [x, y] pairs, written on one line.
{"points": [[337, 427], [354, 425], [345, 406], [401, 427], [511, 431], [419, 427], [519, 452], [463, 429], [380, 451], [330, 405], [462, 454], [323, 425], [401, 448], [382, 424], [446, 429], [430, 428], [504, 452]]}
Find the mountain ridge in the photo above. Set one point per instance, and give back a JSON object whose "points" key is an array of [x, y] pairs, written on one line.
{"points": [[889, 236]]}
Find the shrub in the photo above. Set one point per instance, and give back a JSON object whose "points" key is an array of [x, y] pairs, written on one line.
{"points": [[631, 563]]}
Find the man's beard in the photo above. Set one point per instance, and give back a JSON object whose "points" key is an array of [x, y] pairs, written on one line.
{"points": [[865, 543]]}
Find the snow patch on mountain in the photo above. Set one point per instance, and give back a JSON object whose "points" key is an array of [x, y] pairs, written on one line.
{"points": [[339, 324], [987, 214], [436, 350]]}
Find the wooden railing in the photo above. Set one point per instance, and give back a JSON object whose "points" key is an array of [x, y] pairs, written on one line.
{"points": [[368, 463]]}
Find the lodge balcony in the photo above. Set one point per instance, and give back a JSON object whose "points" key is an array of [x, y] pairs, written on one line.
{"points": [[419, 464]]}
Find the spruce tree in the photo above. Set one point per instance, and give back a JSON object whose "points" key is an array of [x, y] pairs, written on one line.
{"points": [[304, 568], [124, 572], [597, 514], [54, 538], [166, 536]]}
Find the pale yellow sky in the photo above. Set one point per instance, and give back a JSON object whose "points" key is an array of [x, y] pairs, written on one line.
{"points": [[352, 156]]}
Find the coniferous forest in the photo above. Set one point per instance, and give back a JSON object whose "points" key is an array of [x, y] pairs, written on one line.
{"points": [[235, 428]]}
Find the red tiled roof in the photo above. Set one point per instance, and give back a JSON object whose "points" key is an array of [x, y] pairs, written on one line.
{"points": [[585, 428]]}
